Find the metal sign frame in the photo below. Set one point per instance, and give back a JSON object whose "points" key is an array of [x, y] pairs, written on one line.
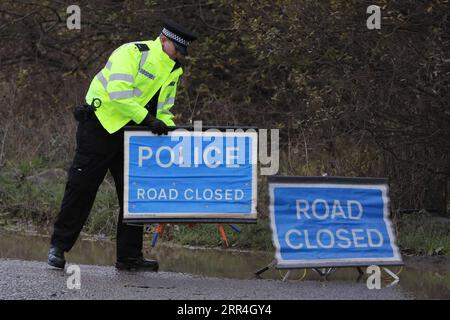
{"points": [[189, 217], [342, 182]]}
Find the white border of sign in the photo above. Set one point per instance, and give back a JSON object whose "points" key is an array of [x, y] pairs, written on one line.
{"points": [[318, 263], [190, 215]]}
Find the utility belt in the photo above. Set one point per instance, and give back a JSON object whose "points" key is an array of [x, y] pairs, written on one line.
{"points": [[86, 112]]}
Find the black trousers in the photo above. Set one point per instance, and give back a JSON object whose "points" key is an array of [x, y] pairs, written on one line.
{"points": [[97, 152]]}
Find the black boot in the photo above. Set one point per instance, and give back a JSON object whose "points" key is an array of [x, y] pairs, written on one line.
{"points": [[56, 257], [137, 264]]}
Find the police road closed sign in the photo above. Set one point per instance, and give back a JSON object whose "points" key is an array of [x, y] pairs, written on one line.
{"points": [[190, 176], [331, 221]]}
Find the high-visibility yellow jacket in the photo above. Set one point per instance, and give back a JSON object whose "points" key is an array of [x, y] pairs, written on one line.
{"points": [[132, 76]]}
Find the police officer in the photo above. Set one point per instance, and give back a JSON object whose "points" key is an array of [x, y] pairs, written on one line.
{"points": [[136, 86]]}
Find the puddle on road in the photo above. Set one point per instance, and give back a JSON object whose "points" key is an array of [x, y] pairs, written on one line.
{"points": [[421, 278]]}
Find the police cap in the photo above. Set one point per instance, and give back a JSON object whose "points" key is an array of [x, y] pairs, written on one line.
{"points": [[180, 35]]}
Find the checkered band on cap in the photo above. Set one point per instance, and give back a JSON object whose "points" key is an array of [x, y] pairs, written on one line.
{"points": [[173, 36]]}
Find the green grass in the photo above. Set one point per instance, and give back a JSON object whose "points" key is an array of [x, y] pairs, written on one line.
{"points": [[423, 234], [252, 236], [103, 218], [21, 200], [24, 202]]}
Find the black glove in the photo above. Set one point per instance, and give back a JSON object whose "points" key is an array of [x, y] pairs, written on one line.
{"points": [[155, 125]]}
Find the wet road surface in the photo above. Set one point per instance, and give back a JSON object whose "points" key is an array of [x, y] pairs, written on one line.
{"points": [[36, 280]]}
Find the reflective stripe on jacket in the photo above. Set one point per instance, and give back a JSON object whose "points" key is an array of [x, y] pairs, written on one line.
{"points": [[129, 80]]}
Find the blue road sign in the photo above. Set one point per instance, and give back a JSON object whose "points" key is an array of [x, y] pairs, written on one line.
{"points": [[320, 222], [190, 175]]}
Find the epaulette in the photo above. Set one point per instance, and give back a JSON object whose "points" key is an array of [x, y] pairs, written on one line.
{"points": [[142, 46]]}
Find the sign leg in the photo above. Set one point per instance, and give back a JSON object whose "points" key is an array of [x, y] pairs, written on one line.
{"points": [[286, 276], [262, 270], [360, 274]]}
